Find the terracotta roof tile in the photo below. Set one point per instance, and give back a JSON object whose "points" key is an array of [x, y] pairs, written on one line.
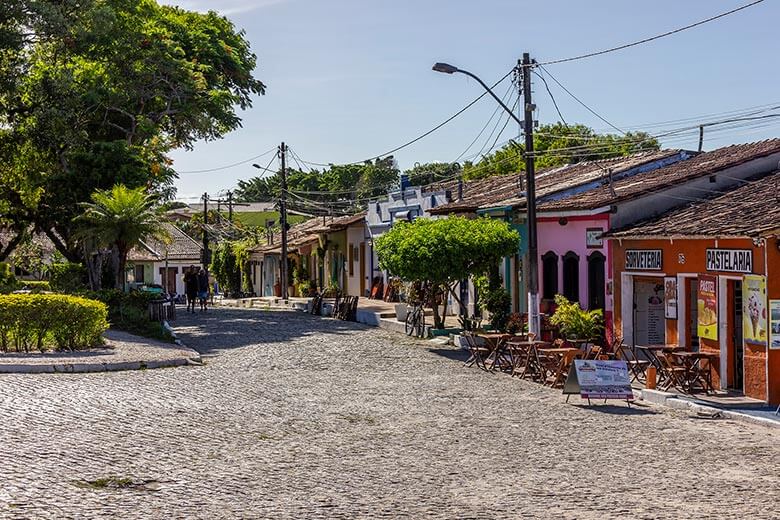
{"points": [[637, 185], [750, 210], [182, 247]]}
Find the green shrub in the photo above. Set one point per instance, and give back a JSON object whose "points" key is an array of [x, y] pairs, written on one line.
{"points": [[34, 286], [129, 311], [67, 277], [7, 279], [576, 323], [44, 321]]}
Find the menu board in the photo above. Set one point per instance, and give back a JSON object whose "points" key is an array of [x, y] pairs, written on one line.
{"points": [[597, 379], [754, 312], [774, 311], [707, 307]]}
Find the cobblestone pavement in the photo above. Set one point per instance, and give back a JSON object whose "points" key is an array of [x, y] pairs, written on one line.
{"points": [[122, 351], [294, 416]]}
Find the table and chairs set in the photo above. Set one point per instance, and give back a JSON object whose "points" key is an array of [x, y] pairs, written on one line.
{"points": [[548, 362]]}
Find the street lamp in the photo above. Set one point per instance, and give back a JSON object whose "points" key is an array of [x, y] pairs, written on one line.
{"points": [[527, 127]]}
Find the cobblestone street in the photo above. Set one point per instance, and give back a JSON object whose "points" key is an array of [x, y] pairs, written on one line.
{"points": [[294, 416]]}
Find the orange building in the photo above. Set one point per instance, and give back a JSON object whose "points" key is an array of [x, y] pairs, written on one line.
{"points": [[707, 277]]}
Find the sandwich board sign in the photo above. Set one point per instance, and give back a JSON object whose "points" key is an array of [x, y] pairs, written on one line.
{"points": [[599, 379]]}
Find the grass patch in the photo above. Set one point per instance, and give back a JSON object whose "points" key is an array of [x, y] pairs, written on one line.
{"points": [[106, 483], [353, 418]]}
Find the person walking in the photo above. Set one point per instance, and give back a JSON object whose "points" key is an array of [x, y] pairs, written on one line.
{"points": [[191, 287], [203, 289]]}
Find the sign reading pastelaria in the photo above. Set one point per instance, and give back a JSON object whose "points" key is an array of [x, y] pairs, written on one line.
{"points": [[754, 312], [707, 307], [730, 260]]}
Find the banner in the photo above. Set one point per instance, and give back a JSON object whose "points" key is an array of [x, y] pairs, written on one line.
{"points": [[670, 298], [774, 311], [754, 312], [596, 379], [707, 307]]}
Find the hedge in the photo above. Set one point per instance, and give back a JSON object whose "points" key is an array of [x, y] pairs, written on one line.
{"points": [[67, 277], [44, 321], [35, 286]]}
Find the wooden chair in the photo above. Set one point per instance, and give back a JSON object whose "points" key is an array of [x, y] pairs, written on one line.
{"points": [[548, 364], [563, 368], [638, 367], [674, 375], [478, 354]]}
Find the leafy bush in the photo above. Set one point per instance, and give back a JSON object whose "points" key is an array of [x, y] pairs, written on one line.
{"points": [[6, 274], [129, 311], [498, 303], [34, 286], [67, 277], [43, 321], [576, 323]]}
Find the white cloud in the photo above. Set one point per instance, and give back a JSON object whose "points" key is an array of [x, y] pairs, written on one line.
{"points": [[225, 7]]}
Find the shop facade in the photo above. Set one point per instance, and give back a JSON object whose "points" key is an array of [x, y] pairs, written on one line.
{"points": [[708, 295]]}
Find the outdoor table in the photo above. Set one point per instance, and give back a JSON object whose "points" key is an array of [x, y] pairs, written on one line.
{"points": [[694, 372], [556, 368], [650, 352], [522, 353], [496, 342]]}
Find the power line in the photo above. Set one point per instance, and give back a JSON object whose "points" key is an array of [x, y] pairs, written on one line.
{"points": [[578, 100], [487, 123], [652, 38], [555, 104], [425, 134], [230, 165]]}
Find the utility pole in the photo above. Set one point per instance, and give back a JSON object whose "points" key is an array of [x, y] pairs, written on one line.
{"points": [[283, 219], [701, 137], [530, 197], [230, 206], [206, 256]]}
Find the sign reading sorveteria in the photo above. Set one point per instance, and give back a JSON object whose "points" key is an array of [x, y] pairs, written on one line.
{"points": [[644, 259], [730, 260]]}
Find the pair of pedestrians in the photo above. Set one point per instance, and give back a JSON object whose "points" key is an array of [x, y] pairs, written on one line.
{"points": [[196, 285]]}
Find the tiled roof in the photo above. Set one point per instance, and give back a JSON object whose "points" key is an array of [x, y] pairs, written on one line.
{"points": [[748, 211], [181, 247], [504, 190], [637, 185], [309, 231]]}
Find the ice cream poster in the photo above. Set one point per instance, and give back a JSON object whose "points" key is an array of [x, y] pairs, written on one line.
{"points": [[754, 311], [707, 307]]}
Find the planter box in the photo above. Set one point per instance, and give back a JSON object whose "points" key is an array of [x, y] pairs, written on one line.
{"points": [[444, 332], [460, 341], [401, 311]]}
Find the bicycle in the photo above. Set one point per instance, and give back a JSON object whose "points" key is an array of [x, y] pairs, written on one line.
{"points": [[415, 320]]}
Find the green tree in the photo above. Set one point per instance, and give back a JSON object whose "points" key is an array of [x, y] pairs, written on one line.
{"points": [[97, 92], [445, 251], [121, 218], [558, 144], [429, 173]]}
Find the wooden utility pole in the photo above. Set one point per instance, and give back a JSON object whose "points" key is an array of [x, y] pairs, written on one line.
{"points": [[530, 197], [283, 219], [206, 257], [230, 205]]}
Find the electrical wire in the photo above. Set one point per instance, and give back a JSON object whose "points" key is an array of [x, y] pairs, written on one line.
{"points": [[227, 167], [652, 38], [555, 104], [495, 111], [578, 100]]}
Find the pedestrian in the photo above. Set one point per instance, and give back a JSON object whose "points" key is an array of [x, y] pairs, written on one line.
{"points": [[203, 289], [191, 287]]}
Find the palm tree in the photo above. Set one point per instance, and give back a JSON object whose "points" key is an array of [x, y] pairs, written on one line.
{"points": [[121, 218]]}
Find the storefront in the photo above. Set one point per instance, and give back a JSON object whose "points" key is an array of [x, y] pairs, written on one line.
{"points": [[705, 295]]}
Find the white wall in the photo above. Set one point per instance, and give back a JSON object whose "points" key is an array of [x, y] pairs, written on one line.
{"points": [[356, 236]]}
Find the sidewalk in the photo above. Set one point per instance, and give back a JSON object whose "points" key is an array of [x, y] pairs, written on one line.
{"points": [[122, 351]]}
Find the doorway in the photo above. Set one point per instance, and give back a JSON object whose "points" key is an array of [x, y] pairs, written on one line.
{"points": [[362, 268], [649, 321], [169, 279], [737, 365], [693, 313]]}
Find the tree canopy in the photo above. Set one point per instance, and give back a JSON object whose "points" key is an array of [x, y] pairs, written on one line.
{"points": [[444, 251], [558, 144], [97, 92], [338, 185]]}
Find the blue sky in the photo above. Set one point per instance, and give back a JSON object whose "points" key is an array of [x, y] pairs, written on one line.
{"points": [[351, 79]]}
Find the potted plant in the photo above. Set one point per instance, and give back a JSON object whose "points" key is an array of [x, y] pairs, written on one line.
{"points": [[576, 323], [404, 291]]}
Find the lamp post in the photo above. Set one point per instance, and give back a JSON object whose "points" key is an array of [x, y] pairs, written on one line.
{"points": [[526, 126]]}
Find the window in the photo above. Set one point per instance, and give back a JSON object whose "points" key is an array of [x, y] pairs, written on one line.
{"points": [[571, 276], [139, 274], [351, 253], [549, 275], [596, 281]]}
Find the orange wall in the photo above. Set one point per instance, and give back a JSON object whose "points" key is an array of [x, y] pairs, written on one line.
{"points": [[689, 256]]}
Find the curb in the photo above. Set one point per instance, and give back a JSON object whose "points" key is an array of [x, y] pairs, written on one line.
{"points": [[670, 400]]}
